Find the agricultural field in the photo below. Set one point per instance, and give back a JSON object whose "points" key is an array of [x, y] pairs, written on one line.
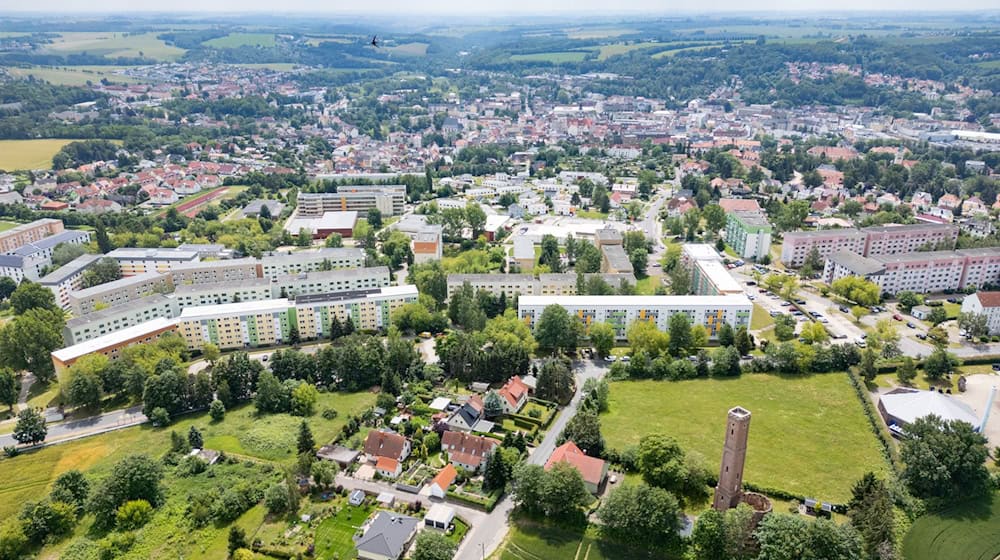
{"points": [[270, 438], [672, 52], [72, 75], [236, 40], [29, 154], [608, 51], [967, 531], [410, 49], [556, 57], [796, 421], [114, 44], [599, 33]]}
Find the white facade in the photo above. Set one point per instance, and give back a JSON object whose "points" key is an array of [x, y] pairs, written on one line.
{"points": [[985, 303]]}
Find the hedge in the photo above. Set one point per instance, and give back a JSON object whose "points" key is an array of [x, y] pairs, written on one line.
{"points": [[875, 423], [486, 503]]}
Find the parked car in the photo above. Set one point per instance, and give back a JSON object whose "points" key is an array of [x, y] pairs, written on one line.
{"points": [[751, 297], [800, 301], [996, 367], [775, 313], [897, 316], [921, 336], [860, 343], [910, 324], [751, 283], [844, 309]]}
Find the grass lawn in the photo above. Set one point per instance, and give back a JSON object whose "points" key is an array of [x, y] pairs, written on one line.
{"points": [[761, 319], [236, 40], [796, 421], [113, 44], [410, 49], [647, 286], [967, 531], [4, 226], [334, 535], [29, 154], [529, 540], [592, 214], [952, 309], [72, 75], [272, 437], [553, 57]]}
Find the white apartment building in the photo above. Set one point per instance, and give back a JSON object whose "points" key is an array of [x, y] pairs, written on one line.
{"points": [[214, 272], [985, 303], [330, 281], [119, 292], [868, 242], [496, 284], [388, 199], [68, 278], [112, 319], [621, 311], [140, 261], [235, 291], [798, 244], [311, 261]]}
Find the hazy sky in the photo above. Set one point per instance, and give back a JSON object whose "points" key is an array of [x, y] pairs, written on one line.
{"points": [[506, 7]]}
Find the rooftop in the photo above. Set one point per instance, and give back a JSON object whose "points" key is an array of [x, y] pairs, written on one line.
{"points": [[861, 266], [69, 269], [908, 405], [896, 228], [49, 242], [101, 342], [700, 252], [161, 254], [118, 310], [679, 302], [332, 253], [844, 232], [119, 284], [241, 308]]}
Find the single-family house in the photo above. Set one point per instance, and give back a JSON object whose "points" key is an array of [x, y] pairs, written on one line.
{"points": [[469, 416], [515, 395], [386, 536], [443, 480], [388, 467], [466, 450], [593, 470], [382, 443]]}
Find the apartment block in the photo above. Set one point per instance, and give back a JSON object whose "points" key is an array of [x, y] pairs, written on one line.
{"points": [[508, 284], [368, 309], [329, 281], [30, 260], [310, 261], [621, 311], [140, 261], [982, 267], [214, 272], [32, 232], [68, 278], [920, 272], [565, 284], [388, 199], [868, 242], [119, 292], [798, 244], [692, 252], [234, 291], [845, 263], [20, 268], [113, 343], [113, 319], [427, 244], [712, 278], [749, 234], [985, 303]]}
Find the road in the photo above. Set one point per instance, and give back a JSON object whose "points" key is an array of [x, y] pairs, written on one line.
{"points": [[74, 429], [485, 537]]}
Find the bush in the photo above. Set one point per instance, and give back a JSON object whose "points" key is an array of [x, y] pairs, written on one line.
{"points": [[190, 466], [133, 514], [217, 410], [329, 413], [11, 451], [159, 417]]}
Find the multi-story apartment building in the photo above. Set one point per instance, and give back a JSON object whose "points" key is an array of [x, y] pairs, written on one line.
{"points": [[564, 284], [214, 272], [984, 303], [368, 309], [113, 319], [691, 252], [982, 267], [234, 291], [388, 199], [427, 244], [847, 263], [19, 268], [68, 278], [140, 261], [749, 234], [118, 292], [921, 272], [113, 343], [621, 311], [310, 261], [329, 281], [868, 242], [711, 278], [30, 260], [496, 284], [32, 232]]}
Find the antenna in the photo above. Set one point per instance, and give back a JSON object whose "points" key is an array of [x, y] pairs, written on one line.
{"points": [[989, 406]]}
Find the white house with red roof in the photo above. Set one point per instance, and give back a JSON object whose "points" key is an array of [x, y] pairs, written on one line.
{"points": [[514, 395], [593, 470]]}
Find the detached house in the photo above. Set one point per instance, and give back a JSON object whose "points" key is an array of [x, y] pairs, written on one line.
{"points": [[466, 450], [515, 395], [593, 470], [469, 417], [388, 450]]}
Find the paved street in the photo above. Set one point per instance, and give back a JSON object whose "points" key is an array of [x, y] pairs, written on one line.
{"points": [[485, 537], [74, 429]]}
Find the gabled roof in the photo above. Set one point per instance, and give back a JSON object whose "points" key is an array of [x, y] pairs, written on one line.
{"points": [[513, 390], [387, 464], [446, 477], [468, 449], [590, 468], [384, 444], [387, 534], [988, 299]]}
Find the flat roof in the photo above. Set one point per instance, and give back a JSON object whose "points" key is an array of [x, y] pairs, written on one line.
{"points": [[71, 268], [719, 276], [321, 275], [160, 254], [918, 256], [370, 293], [118, 284], [845, 232], [49, 242], [235, 309], [188, 289], [895, 228], [909, 405], [493, 277], [752, 218], [226, 263], [329, 220], [856, 263], [115, 310], [701, 251], [110, 339], [617, 257], [325, 253], [633, 301]]}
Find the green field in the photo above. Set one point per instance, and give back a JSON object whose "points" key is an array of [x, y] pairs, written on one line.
{"points": [[4, 226], [72, 75], [797, 423], [968, 531], [270, 437], [236, 40], [528, 540], [114, 44], [557, 57], [607, 51], [410, 49], [761, 319], [599, 33], [29, 154], [672, 52], [334, 535]]}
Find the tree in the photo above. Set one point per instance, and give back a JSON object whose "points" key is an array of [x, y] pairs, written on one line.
{"points": [[83, 388], [66, 252], [323, 473], [940, 363], [136, 477], [908, 300], [276, 498], [334, 240], [858, 312], [680, 280], [499, 468], [867, 367], [584, 429], [937, 315], [680, 335], [492, 405], [638, 258], [726, 335], [195, 439], [813, 261], [210, 352], [661, 462], [27, 342], [30, 428], [602, 338], [31, 295], [305, 442], [72, 488], [101, 272], [726, 362], [814, 332], [787, 537], [237, 536], [743, 342], [557, 330], [644, 336], [885, 338], [739, 526], [133, 514], [907, 371], [271, 394], [639, 513], [555, 382], [708, 538], [13, 541], [475, 216], [857, 289], [975, 324], [871, 513], [588, 257], [432, 545], [375, 217], [944, 459], [715, 218], [9, 388], [564, 490], [46, 520], [304, 399], [550, 253]]}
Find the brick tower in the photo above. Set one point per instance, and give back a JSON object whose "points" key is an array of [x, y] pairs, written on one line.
{"points": [[729, 492]]}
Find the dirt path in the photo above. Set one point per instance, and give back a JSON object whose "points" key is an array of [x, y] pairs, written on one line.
{"points": [[27, 380]]}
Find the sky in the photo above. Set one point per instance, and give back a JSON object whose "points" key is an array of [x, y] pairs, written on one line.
{"points": [[504, 7]]}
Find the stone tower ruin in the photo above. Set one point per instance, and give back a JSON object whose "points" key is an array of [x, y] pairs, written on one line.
{"points": [[729, 492]]}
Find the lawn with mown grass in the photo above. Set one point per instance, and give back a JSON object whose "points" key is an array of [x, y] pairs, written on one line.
{"points": [[269, 437], [334, 537], [530, 540], [4, 226], [970, 531], [808, 434], [761, 318]]}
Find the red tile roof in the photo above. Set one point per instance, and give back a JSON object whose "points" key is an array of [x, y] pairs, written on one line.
{"points": [[468, 449], [590, 468], [387, 464], [513, 390], [739, 204], [989, 299], [446, 477], [384, 444]]}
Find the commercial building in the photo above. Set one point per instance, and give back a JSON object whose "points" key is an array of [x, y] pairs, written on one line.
{"points": [[985, 303], [118, 292], [524, 253], [112, 344], [868, 242], [388, 199], [139, 261], [322, 226], [901, 407], [32, 232], [68, 278], [749, 234], [711, 278], [112, 319], [621, 311]]}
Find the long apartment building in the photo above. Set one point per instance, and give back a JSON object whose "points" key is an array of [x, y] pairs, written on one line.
{"points": [[262, 323], [68, 278], [511, 285], [119, 292], [188, 268], [32, 232], [113, 319], [388, 199], [621, 311], [140, 261], [233, 291], [290, 286], [214, 272], [30, 260], [311, 261], [868, 242], [112, 344], [920, 272]]}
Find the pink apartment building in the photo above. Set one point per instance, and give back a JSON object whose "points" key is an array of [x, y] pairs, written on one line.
{"points": [[871, 241], [920, 272]]}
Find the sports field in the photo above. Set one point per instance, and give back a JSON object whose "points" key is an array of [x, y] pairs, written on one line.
{"points": [[235, 40], [796, 423], [29, 154], [112, 44], [970, 531]]}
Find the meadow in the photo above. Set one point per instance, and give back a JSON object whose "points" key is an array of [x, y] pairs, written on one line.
{"points": [[556, 57], [410, 49], [530, 540], [608, 51], [236, 40], [114, 44], [72, 75], [29, 154], [795, 422], [967, 531]]}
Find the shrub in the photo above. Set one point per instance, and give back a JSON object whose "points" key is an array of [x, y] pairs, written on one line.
{"points": [[190, 466], [159, 417], [217, 410], [133, 514], [329, 413]]}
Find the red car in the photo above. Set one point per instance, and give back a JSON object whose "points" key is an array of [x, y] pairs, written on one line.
{"points": [[897, 317]]}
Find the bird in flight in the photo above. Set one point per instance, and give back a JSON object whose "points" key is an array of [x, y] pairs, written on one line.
{"points": [[375, 41]]}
